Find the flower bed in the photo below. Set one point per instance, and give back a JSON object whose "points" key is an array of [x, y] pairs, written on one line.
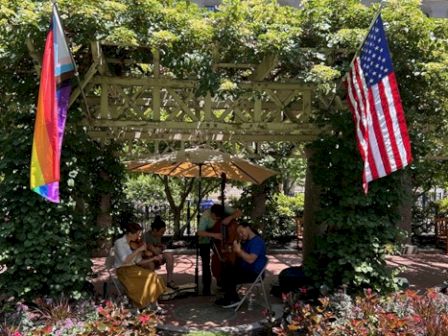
{"points": [[404, 313], [62, 318]]}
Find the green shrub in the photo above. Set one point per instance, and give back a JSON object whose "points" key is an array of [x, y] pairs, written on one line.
{"points": [[290, 206], [443, 206]]}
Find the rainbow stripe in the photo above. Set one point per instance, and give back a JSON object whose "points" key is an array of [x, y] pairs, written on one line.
{"points": [[52, 105]]}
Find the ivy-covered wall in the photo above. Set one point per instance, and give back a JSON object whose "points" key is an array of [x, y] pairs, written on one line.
{"points": [[46, 247], [357, 230]]}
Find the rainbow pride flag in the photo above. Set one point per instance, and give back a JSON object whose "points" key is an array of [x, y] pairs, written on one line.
{"points": [[54, 94]]}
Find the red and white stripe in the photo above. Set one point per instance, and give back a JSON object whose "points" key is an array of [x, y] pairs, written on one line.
{"points": [[381, 131]]}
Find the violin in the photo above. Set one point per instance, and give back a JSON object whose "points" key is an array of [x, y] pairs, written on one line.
{"points": [[147, 254], [136, 244]]}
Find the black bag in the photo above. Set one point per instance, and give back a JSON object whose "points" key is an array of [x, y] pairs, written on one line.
{"points": [[291, 279]]}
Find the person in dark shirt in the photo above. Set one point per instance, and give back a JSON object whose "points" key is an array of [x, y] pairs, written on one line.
{"points": [[251, 259], [153, 239]]}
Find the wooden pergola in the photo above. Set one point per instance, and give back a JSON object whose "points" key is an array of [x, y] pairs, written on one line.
{"points": [[134, 99], [130, 97]]}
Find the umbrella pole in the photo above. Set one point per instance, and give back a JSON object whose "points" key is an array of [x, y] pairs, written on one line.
{"points": [[198, 214], [223, 188]]}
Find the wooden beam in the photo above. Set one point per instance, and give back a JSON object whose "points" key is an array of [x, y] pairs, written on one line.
{"points": [[263, 69], [88, 76], [200, 125], [199, 137], [186, 84], [99, 58], [215, 105]]}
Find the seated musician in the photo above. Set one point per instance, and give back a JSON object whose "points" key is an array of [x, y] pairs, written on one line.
{"points": [[251, 259], [153, 239], [143, 286], [206, 223]]}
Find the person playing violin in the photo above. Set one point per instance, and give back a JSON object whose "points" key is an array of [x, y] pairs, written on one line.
{"points": [[208, 219], [153, 239], [251, 259], [143, 286]]}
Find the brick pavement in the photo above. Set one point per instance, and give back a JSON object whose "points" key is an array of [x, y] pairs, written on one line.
{"points": [[198, 313]]}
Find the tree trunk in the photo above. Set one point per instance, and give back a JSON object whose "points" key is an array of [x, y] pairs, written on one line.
{"points": [[177, 209], [259, 205], [288, 184], [104, 221], [176, 221]]}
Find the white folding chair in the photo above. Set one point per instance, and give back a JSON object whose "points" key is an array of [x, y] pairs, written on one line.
{"points": [[109, 264], [259, 281]]}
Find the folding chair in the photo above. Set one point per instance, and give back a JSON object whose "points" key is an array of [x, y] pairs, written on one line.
{"points": [[109, 264], [259, 281]]}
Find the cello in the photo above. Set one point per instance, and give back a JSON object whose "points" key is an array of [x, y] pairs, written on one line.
{"points": [[223, 249]]}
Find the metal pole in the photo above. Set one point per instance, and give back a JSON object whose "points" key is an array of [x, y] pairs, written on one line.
{"points": [[357, 52], [198, 217], [89, 117], [188, 217]]}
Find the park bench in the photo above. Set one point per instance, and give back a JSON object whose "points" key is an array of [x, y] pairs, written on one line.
{"points": [[441, 231]]}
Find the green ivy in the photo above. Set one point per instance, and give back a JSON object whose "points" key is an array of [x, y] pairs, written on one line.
{"points": [[357, 228]]}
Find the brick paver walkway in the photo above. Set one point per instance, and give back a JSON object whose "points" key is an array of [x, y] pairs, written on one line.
{"points": [[422, 271]]}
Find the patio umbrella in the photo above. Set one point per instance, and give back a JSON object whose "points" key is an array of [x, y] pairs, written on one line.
{"points": [[203, 162]]}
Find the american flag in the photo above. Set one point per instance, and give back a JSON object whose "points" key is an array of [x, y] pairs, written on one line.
{"points": [[374, 100]]}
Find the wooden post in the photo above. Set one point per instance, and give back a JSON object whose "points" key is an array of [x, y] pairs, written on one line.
{"points": [[312, 198]]}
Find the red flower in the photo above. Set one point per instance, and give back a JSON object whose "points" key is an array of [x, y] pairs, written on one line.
{"points": [[144, 319], [417, 318]]}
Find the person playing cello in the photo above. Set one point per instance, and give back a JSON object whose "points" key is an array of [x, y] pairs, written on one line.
{"points": [[251, 259], [208, 220]]}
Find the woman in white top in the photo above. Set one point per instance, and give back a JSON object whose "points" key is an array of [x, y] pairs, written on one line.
{"points": [[143, 286]]}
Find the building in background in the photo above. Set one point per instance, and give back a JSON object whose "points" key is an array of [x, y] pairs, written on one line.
{"points": [[432, 8]]}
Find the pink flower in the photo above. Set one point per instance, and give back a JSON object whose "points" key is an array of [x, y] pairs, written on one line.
{"points": [[16, 333], [144, 319]]}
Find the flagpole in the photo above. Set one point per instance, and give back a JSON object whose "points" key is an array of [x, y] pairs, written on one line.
{"points": [[89, 117], [378, 12]]}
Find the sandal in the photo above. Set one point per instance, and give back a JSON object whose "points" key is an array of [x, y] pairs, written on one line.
{"points": [[172, 285], [156, 309]]}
